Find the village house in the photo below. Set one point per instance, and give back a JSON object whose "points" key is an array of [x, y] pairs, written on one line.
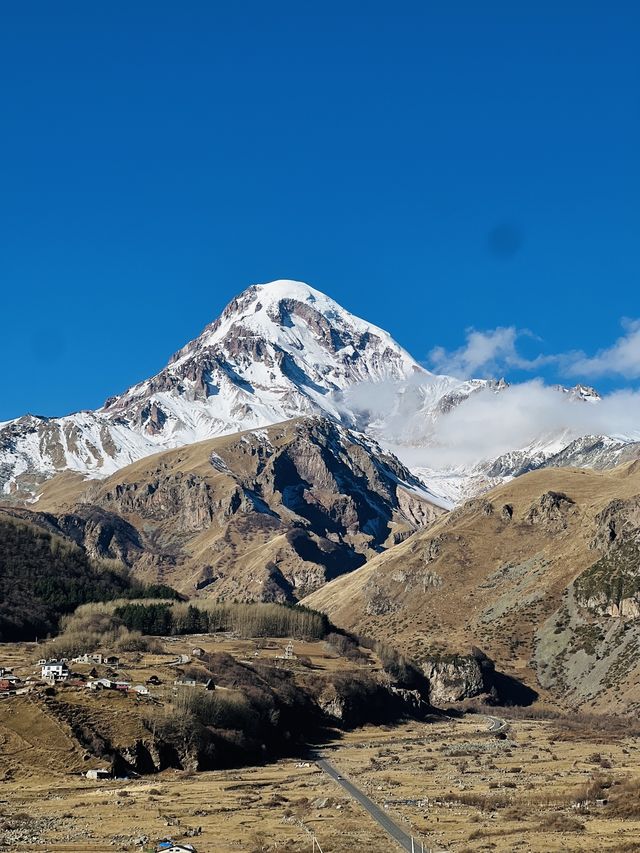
{"points": [[55, 670], [111, 660], [101, 684], [172, 847], [107, 684], [180, 848], [7, 675], [87, 658], [197, 652], [141, 690], [98, 774]]}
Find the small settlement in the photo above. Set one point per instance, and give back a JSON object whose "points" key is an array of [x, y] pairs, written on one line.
{"points": [[10, 684], [97, 671]]}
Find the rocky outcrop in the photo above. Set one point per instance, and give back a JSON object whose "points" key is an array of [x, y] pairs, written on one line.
{"points": [[623, 608], [611, 586], [453, 678], [347, 702], [103, 534], [551, 510], [616, 524]]}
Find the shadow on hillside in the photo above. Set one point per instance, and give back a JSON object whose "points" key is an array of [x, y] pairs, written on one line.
{"points": [[508, 690]]}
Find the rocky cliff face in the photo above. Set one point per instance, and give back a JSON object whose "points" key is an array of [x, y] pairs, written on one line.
{"points": [[611, 586], [103, 534], [453, 678]]}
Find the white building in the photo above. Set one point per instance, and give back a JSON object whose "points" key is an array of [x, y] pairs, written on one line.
{"points": [[186, 682], [55, 670], [101, 684], [86, 658], [98, 774]]}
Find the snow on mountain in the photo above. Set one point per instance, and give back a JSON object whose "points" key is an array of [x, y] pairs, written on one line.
{"points": [[278, 351]]}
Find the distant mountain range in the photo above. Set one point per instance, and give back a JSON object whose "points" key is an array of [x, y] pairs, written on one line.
{"points": [[280, 351]]}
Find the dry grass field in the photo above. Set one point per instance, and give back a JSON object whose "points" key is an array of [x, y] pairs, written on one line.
{"points": [[541, 785], [261, 808], [542, 788]]}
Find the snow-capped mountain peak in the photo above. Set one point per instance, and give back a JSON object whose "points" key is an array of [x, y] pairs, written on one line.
{"points": [[278, 351]]}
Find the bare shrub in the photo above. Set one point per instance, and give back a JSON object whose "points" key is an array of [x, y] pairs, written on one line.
{"points": [[624, 800], [559, 822]]}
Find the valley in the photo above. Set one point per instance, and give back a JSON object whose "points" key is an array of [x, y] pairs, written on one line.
{"points": [[449, 783], [243, 566]]}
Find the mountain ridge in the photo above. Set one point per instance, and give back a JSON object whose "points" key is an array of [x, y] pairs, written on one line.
{"points": [[279, 351], [267, 514]]}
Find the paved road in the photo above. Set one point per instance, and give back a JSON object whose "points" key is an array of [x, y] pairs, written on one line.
{"points": [[378, 814], [496, 724]]}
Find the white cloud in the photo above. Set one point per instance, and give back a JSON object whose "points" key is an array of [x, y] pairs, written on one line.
{"points": [[495, 351], [497, 420], [486, 353], [622, 358], [487, 424]]}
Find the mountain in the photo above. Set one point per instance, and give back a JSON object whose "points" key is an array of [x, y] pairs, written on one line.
{"points": [[542, 574], [277, 351], [268, 514], [280, 351]]}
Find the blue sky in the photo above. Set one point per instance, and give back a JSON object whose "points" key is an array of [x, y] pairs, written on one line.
{"points": [[435, 167]]}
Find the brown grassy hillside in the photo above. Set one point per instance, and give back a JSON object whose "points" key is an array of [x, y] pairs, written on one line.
{"points": [[499, 573]]}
